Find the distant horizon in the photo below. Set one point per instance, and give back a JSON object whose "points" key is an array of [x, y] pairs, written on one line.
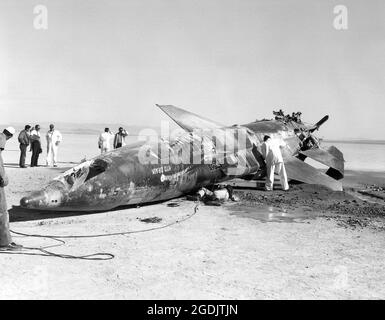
{"points": [[94, 128]]}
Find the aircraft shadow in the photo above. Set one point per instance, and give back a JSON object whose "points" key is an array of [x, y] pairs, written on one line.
{"points": [[19, 214]]}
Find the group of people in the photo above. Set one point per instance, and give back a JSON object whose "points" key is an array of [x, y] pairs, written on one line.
{"points": [[31, 137], [295, 116], [109, 141]]}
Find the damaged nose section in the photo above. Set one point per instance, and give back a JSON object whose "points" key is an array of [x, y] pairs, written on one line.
{"points": [[34, 200], [49, 198]]}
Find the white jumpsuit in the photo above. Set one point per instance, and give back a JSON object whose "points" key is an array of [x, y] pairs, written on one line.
{"points": [[105, 141], [53, 139], [274, 163]]}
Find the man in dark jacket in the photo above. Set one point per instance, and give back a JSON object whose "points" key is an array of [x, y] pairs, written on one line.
{"points": [[24, 143], [119, 138], [5, 235], [35, 145]]}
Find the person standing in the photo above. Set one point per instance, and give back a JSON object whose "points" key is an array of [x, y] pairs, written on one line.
{"points": [[24, 143], [119, 138], [54, 138], [272, 154], [35, 145], [5, 235], [105, 141]]}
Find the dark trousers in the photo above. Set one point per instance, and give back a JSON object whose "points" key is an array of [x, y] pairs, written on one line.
{"points": [[23, 154], [118, 145], [36, 149]]}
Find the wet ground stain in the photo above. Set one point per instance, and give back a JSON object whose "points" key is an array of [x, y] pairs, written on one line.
{"points": [[348, 208], [272, 214]]}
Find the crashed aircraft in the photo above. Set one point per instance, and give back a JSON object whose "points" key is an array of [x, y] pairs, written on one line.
{"points": [[205, 154]]}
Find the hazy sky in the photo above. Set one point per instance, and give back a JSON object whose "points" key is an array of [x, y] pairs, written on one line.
{"points": [[230, 60]]}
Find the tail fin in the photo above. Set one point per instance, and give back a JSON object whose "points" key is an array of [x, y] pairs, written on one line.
{"points": [[188, 120]]}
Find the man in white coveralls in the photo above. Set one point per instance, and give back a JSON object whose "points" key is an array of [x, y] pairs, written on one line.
{"points": [[272, 154], [105, 141], [54, 138]]}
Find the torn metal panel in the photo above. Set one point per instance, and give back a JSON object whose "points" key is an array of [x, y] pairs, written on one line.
{"points": [[301, 171], [331, 157]]}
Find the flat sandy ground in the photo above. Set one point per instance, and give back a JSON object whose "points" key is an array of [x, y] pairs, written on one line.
{"points": [[308, 243]]}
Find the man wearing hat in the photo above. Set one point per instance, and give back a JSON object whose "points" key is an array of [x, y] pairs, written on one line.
{"points": [[5, 236]]}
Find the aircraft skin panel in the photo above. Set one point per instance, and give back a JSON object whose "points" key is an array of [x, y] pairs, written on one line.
{"points": [[331, 157], [301, 171]]}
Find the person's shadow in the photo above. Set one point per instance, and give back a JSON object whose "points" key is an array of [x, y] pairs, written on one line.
{"points": [[68, 165], [11, 165]]}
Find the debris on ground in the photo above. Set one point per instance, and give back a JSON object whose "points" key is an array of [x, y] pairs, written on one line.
{"points": [[173, 204], [215, 195], [151, 220], [373, 191]]}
